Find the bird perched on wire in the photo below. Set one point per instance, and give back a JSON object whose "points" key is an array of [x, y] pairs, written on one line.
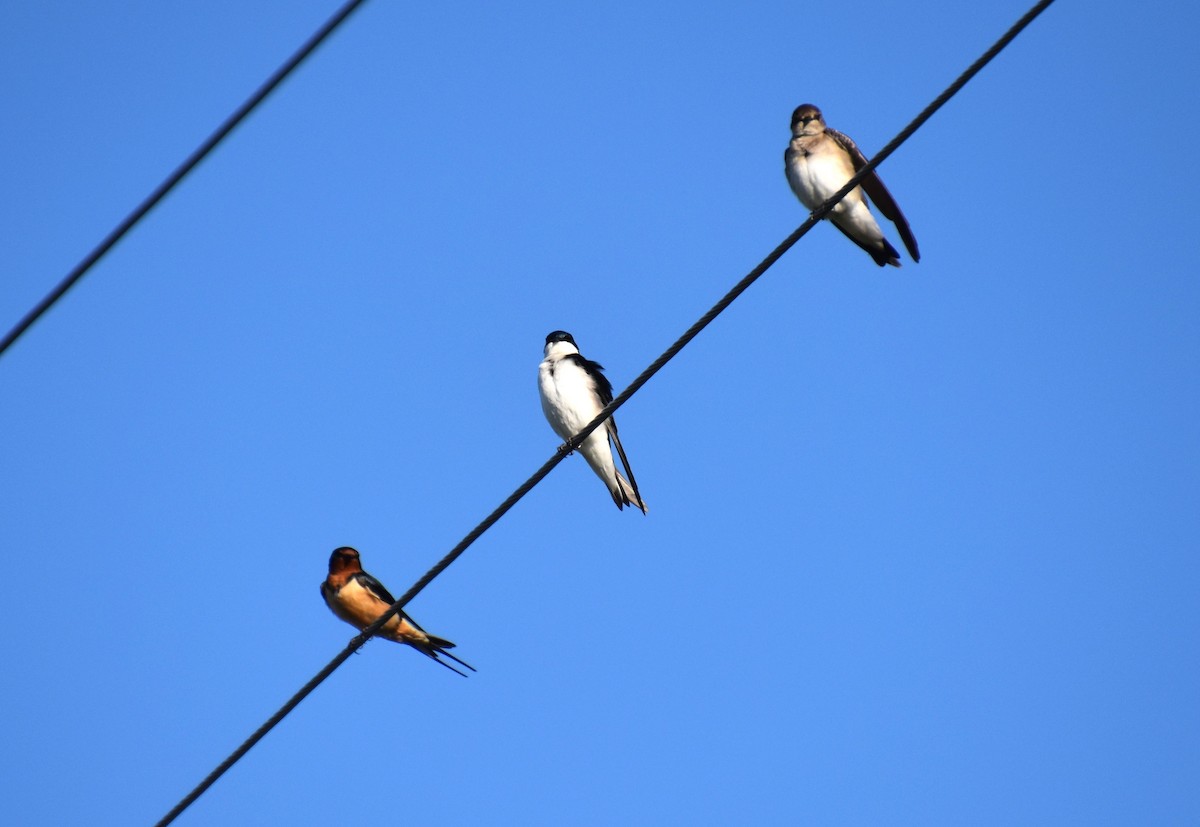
{"points": [[818, 162], [574, 391], [359, 599]]}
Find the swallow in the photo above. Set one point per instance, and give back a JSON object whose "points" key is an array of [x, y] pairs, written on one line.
{"points": [[818, 162], [573, 391], [359, 599]]}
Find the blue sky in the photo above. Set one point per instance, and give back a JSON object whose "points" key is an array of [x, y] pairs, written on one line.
{"points": [[922, 543]]}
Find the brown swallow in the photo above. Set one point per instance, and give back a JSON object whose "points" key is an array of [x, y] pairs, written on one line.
{"points": [[359, 599], [818, 162]]}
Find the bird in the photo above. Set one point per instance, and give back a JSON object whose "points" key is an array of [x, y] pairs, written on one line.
{"points": [[359, 599], [818, 162], [573, 391]]}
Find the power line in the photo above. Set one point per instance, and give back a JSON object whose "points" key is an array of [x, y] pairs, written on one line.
{"points": [[179, 174], [712, 314], [360, 639]]}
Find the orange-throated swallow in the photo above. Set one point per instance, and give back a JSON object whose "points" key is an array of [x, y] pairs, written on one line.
{"points": [[573, 392], [359, 599], [818, 162]]}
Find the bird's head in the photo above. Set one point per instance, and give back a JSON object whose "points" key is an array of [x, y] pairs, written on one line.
{"points": [[560, 342], [807, 120], [344, 558]]}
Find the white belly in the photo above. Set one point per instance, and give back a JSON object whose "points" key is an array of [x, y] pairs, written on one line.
{"points": [[568, 400]]}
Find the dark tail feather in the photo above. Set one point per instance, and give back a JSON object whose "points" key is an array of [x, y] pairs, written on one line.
{"points": [[438, 646], [459, 661], [633, 496], [434, 653], [885, 255], [433, 656]]}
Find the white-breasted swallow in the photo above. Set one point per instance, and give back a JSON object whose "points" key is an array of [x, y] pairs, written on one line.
{"points": [[574, 391], [818, 162], [359, 599]]}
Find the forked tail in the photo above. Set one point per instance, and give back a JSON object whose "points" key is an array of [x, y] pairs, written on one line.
{"points": [[436, 649]]}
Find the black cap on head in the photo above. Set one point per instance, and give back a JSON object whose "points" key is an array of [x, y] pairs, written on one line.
{"points": [[343, 551], [806, 111], [560, 336]]}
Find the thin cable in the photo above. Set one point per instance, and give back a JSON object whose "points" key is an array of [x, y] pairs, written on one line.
{"points": [[179, 174], [358, 640], [712, 314]]}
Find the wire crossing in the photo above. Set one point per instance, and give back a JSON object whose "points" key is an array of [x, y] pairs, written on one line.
{"points": [[181, 171], [360, 639]]}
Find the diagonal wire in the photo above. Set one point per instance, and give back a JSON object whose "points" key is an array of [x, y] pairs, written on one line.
{"points": [[358, 640], [180, 172], [708, 317]]}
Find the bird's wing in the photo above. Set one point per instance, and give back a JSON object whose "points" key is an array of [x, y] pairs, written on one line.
{"points": [[616, 441], [374, 587], [873, 186], [595, 372], [604, 393]]}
